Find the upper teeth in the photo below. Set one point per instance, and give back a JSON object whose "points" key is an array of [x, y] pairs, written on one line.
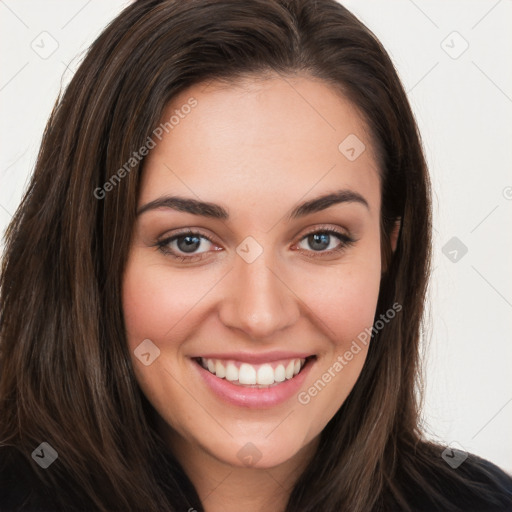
{"points": [[247, 374]]}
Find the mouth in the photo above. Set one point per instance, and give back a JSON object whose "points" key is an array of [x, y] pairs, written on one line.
{"points": [[259, 376], [254, 380]]}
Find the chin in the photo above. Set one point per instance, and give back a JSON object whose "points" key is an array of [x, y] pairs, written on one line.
{"points": [[258, 452]]}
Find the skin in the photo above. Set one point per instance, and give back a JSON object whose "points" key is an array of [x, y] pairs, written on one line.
{"points": [[257, 148]]}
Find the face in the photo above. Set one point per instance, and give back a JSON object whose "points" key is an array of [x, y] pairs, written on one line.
{"points": [[239, 275]]}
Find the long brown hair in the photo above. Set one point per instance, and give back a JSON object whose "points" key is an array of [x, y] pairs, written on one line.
{"points": [[66, 375]]}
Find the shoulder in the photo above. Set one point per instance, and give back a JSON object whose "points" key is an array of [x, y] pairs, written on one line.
{"points": [[489, 482], [476, 485], [20, 489]]}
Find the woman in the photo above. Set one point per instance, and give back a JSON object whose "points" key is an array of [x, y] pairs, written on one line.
{"points": [[212, 291]]}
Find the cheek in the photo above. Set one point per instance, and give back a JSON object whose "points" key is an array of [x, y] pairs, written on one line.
{"points": [[344, 304], [156, 302], [344, 300]]}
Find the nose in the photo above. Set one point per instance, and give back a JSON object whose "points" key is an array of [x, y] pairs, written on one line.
{"points": [[257, 300]]}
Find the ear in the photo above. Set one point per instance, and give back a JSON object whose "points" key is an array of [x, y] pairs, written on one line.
{"points": [[393, 239], [388, 245]]}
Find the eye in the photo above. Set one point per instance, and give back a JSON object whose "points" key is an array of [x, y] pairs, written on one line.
{"points": [[325, 241], [187, 245], [193, 246]]}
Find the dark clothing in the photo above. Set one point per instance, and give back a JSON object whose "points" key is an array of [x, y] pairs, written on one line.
{"points": [[21, 490], [489, 489], [19, 487]]}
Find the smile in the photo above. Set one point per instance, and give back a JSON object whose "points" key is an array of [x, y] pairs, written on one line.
{"points": [[257, 375], [258, 384]]}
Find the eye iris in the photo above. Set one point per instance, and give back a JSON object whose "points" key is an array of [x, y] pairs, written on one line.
{"points": [[191, 243], [318, 241]]}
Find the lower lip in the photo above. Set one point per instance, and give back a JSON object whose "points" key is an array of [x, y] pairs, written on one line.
{"points": [[254, 398]]}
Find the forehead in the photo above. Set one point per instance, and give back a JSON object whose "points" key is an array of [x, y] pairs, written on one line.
{"points": [[294, 134]]}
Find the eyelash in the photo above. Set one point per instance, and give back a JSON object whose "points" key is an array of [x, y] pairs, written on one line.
{"points": [[163, 245]]}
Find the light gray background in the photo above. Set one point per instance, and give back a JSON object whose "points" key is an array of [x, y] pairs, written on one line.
{"points": [[463, 104]]}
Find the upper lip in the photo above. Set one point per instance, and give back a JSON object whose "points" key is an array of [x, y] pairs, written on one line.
{"points": [[254, 357]]}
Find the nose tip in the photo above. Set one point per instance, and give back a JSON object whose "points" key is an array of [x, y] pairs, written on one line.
{"points": [[257, 301]]}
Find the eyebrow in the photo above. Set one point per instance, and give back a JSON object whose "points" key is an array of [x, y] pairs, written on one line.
{"points": [[216, 211]]}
